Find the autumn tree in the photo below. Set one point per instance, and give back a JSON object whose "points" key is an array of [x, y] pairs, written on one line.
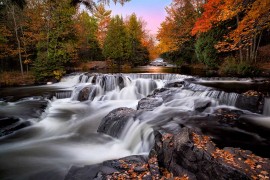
{"points": [[87, 29], [149, 41], [175, 32], [103, 17], [56, 49], [251, 19], [11, 12]]}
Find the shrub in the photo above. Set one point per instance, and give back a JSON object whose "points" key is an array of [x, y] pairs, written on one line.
{"points": [[231, 66]]}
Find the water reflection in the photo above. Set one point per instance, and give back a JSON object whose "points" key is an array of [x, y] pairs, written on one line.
{"points": [[142, 69]]}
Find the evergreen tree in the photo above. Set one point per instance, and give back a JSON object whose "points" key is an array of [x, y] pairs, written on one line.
{"points": [[117, 46], [139, 54], [87, 28]]}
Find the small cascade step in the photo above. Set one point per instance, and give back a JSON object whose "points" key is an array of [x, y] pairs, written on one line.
{"points": [[63, 94]]}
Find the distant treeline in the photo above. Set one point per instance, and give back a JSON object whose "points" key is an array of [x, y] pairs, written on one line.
{"points": [[223, 35], [48, 37]]}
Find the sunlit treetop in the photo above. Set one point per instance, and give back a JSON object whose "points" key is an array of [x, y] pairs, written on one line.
{"points": [[216, 11]]}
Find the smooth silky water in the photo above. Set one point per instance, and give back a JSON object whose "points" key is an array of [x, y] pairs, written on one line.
{"points": [[65, 133]]}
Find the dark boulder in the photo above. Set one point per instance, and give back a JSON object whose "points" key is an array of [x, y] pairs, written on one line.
{"points": [[185, 155], [231, 128], [196, 156], [121, 82], [8, 121], [149, 104], [114, 123], [84, 94], [9, 125], [251, 100], [131, 167], [87, 93]]}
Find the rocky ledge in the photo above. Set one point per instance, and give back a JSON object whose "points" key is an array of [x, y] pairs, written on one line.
{"points": [[185, 155]]}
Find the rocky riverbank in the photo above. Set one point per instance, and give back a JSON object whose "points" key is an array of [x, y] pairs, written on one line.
{"points": [[185, 155], [206, 143]]}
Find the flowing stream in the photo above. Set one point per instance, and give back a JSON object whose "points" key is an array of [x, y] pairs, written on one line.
{"points": [[62, 127]]}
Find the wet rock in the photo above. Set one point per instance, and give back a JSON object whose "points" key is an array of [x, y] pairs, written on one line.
{"points": [[160, 91], [87, 93], [252, 101], [149, 104], [200, 105], [84, 94], [121, 82], [83, 173], [185, 155], [194, 155], [7, 121], [9, 125], [128, 168], [167, 94], [230, 128], [114, 123], [24, 109], [175, 84]]}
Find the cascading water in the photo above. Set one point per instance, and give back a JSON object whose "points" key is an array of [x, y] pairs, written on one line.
{"points": [[65, 134]]}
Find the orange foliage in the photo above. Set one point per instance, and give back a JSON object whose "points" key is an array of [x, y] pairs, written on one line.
{"points": [[176, 29], [255, 17], [216, 11]]}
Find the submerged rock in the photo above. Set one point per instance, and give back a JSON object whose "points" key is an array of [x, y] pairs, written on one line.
{"points": [[114, 123]]}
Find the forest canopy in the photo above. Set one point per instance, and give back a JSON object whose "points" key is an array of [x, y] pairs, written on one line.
{"points": [[48, 37], [215, 32]]}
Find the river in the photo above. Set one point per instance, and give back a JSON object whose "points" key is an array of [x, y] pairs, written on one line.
{"points": [[47, 129]]}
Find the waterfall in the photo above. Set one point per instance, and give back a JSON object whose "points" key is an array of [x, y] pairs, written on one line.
{"points": [[120, 86], [63, 94], [64, 131]]}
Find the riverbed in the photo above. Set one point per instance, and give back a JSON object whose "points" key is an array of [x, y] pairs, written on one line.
{"points": [[45, 130]]}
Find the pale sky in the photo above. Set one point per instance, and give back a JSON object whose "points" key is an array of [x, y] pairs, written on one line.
{"points": [[151, 11]]}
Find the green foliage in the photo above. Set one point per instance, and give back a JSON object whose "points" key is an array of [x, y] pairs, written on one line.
{"points": [[58, 46], [205, 50], [89, 48], [139, 54], [117, 46], [185, 54], [232, 67]]}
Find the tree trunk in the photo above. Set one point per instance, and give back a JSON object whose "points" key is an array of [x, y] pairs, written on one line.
{"points": [[258, 45], [254, 43], [17, 38], [240, 43]]}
